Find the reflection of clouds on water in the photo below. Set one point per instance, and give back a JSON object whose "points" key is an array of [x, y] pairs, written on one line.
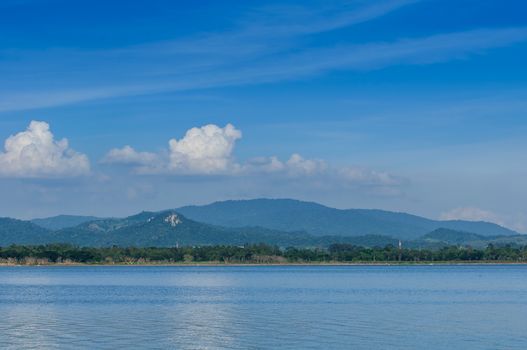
{"points": [[202, 326], [25, 326], [25, 276], [26, 322], [202, 317], [235, 308], [182, 278]]}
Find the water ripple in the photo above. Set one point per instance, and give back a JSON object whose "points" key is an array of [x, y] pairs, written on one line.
{"points": [[418, 307]]}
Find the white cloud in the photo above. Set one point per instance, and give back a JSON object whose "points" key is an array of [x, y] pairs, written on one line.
{"points": [[128, 155], [208, 150], [205, 150], [364, 176], [471, 214], [35, 153], [264, 164], [300, 166], [263, 46], [295, 166], [144, 162]]}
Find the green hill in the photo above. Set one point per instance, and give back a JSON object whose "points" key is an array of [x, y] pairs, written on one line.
{"points": [[453, 237], [277, 222], [62, 221], [316, 219], [445, 237], [169, 228], [22, 232], [166, 229]]}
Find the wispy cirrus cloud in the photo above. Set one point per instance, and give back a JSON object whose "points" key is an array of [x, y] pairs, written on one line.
{"points": [[268, 45]]}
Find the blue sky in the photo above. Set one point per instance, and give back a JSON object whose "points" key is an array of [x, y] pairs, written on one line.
{"points": [[404, 105]]}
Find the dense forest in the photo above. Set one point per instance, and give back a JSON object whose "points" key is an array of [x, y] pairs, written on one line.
{"points": [[253, 254]]}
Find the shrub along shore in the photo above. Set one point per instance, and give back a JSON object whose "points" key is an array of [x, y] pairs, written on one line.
{"points": [[254, 254]]}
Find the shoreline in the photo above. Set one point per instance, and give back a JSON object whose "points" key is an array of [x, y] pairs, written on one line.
{"points": [[219, 264]]}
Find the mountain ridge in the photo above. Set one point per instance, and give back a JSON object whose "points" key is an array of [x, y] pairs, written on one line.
{"points": [[62, 221], [274, 221], [317, 219], [166, 229]]}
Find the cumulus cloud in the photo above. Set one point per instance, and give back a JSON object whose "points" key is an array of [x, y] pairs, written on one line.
{"points": [[298, 166], [35, 153], [143, 162], [208, 150], [295, 166], [205, 150], [264, 164], [128, 155], [364, 176]]}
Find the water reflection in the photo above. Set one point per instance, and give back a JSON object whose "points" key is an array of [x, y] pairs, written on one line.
{"points": [[264, 307], [29, 327], [202, 326], [203, 318]]}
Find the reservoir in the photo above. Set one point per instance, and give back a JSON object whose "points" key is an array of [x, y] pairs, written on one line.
{"points": [[264, 307]]}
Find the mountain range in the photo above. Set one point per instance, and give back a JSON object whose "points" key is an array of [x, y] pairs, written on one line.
{"points": [[63, 221], [165, 229], [282, 222], [317, 219], [443, 237]]}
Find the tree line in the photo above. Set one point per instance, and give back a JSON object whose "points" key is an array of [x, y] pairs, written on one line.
{"points": [[254, 254]]}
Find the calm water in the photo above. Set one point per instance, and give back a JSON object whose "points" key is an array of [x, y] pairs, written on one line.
{"points": [[421, 307]]}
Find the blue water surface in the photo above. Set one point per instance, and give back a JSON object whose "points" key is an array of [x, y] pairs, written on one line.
{"points": [[264, 307]]}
